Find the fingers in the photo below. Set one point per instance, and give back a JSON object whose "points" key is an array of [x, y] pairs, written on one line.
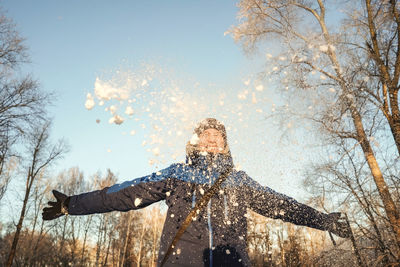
{"points": [[338, 225], [335, 215], [58, 195], [342, 229], [54, 209], [55, 193], [47, 209], [46, 216], [345, 229], [50, 214], [52, 203]]}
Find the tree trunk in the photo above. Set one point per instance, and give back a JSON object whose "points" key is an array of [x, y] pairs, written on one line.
{"points": [[126, 239], [139, 257], [85, 237], [99, 241], [13, 249], [38, 142], [395, 125], [389, 83], [389, 206], [37, 242], [107, 251], [155, 230]]}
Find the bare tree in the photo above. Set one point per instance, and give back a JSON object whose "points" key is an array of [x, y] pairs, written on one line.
{"points": [[348, 181], [36, 226], [70, 181], [22, 103], [105, 222], [259, 240], [7, 171], [126, 232], [380, 22], [41, 154], [349, 64], [13, 51], [157, 220]]}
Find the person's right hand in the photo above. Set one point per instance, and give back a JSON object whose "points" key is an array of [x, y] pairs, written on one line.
{"points": [[56, 209]]}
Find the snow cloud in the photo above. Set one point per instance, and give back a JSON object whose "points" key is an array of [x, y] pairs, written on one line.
{"points": [[153, 104], [107, 90]]}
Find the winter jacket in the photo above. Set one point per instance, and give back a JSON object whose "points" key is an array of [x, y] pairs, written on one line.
{"points": [[217, 236]]}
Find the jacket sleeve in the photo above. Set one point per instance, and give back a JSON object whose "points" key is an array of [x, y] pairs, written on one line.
{"points": [[269, 203], [129, 195]]}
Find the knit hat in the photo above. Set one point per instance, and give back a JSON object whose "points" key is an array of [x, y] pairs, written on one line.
{"points": [[209, 123]]}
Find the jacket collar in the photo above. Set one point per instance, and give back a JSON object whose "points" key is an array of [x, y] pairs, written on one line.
{"points": [[210, 161]]}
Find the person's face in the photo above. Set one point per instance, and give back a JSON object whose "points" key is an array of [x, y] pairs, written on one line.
{"points": [[211, 140]]}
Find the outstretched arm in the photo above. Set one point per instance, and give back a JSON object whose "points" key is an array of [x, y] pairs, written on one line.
{"points": [[270, 203], [129, 195]]}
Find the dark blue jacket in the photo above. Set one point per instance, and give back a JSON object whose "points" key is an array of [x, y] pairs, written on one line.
{"points": [[218, 235]]}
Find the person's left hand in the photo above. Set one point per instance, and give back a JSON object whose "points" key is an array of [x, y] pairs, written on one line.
{"points": [[338, 226]]}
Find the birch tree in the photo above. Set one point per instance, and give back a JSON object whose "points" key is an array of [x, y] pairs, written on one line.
{"points": [[338, 66]]}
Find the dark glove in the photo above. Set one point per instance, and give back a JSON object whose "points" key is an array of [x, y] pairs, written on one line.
{"points": [[337, 225], [56, 209]]}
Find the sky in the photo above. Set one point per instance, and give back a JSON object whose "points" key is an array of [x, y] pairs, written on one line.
{"points": [[170, 64]]}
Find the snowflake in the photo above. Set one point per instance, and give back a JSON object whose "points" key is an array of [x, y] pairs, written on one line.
{"points": [[116, 119], [260, 87], [195, 139], [89, 104], [138, 201], [129, 111]]}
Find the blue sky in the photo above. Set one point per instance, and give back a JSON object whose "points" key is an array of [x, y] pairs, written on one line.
{"points": [[72, 43]]}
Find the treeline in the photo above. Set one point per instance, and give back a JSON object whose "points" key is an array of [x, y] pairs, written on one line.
{"points": [[132, 238], [112, 239]]}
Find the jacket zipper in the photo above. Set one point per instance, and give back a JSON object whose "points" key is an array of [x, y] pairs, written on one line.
{"points": [[194, 199], [210, 232], [226, 212]]}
